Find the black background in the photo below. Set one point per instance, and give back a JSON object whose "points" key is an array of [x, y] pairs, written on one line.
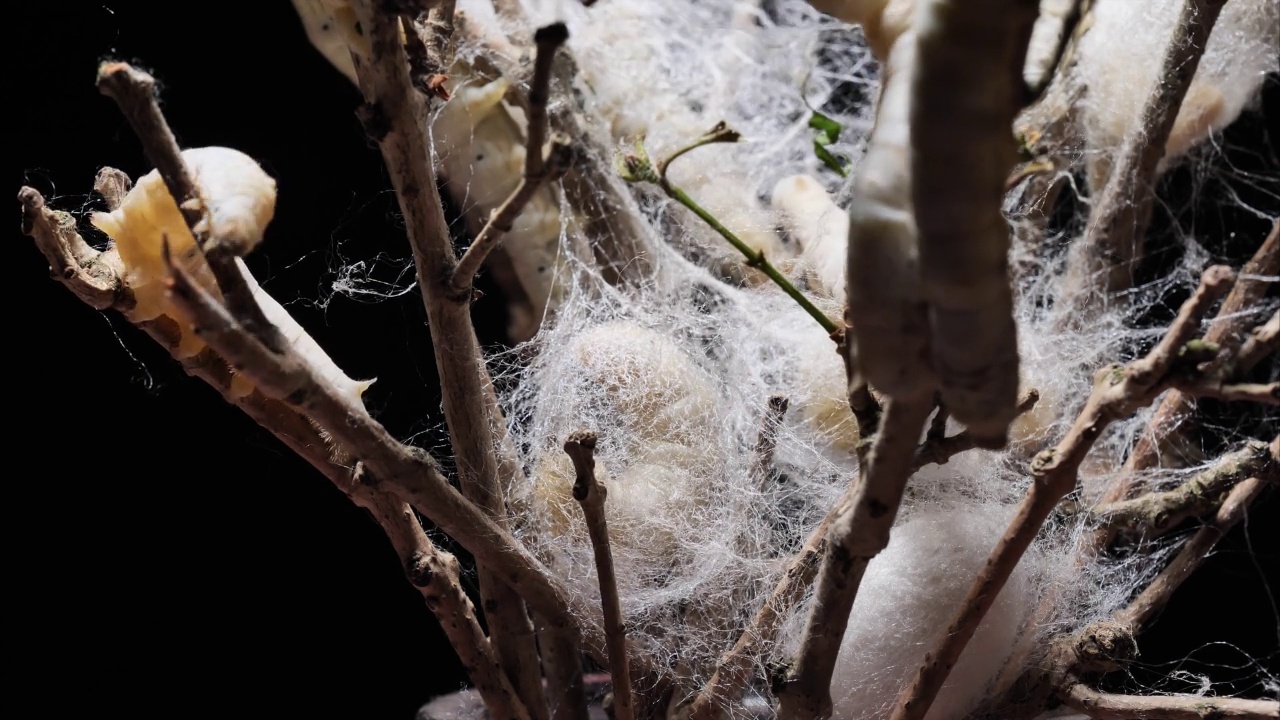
{"points": [[167, 557]]}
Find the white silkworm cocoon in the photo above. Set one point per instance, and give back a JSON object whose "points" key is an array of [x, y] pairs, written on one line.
{"points": [[239, 202], [1119, 59], [820, 227], [650, 402], [908, 592]]}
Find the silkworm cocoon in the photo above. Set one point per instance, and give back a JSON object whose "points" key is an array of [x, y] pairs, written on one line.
{"points": [[1119, 62], [239, 202], [807, 212], [906, 596], [653, 406]]}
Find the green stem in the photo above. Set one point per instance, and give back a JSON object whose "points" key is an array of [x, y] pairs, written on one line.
{"points": [[755, 258]]}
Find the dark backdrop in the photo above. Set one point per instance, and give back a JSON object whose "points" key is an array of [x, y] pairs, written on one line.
{"points": [[170, 558]]}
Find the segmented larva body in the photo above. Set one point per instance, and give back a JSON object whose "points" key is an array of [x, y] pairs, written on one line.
{"points": [[239, 201], [967, 88], [882, 21]]}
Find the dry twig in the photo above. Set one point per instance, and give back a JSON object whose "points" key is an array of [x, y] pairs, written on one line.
{"points": [[1103, 261], [135, 92], [1156, 513], [394, 116], [540, 166], [1231, 511], [859, 530], [1168, 427], [590, 494], [94, 277], [767, 439], [1117, 392], [1168, 707]]}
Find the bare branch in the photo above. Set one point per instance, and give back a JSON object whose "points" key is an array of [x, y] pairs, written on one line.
{"points": [[1231, 511], [1169, 707], [858, 532], [436, 575], [1103, 261], [540, 166], [135, 92], [100, 271], [410, 473], [1264, 393], [92, 276], [1117, 392], [1261, 343], [1168, 427], [1154, 514], [395, 116], [590, 494]]}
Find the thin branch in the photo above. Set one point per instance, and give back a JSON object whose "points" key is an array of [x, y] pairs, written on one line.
{"points": [[1117, 392], [858, 532], [56, 236], [1154, 514], [436, 574], [395, 117], [938, 449], [636, 167], [92, 276], [1104, 706], [1263, 393], [591, 495], [409, 472], [1168, 427], [135, 92], [608, 213], [767, 438], [1262, 342], [1231, 511], [733, 671], [1105, 258], [540, 166]]}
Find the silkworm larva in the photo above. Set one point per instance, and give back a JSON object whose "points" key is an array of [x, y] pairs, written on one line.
{"points": [[966, 92]]}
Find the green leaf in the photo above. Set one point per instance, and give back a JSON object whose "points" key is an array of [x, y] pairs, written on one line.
{"points": [[828, 133]]}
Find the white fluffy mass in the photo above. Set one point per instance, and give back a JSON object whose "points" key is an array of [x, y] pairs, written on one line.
{"points": [[675, 376]]}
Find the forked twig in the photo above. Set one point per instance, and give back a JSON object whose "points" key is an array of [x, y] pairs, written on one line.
{"points": [[1156, 513], [1117, 392], [540, 166], [1103, 261]]}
